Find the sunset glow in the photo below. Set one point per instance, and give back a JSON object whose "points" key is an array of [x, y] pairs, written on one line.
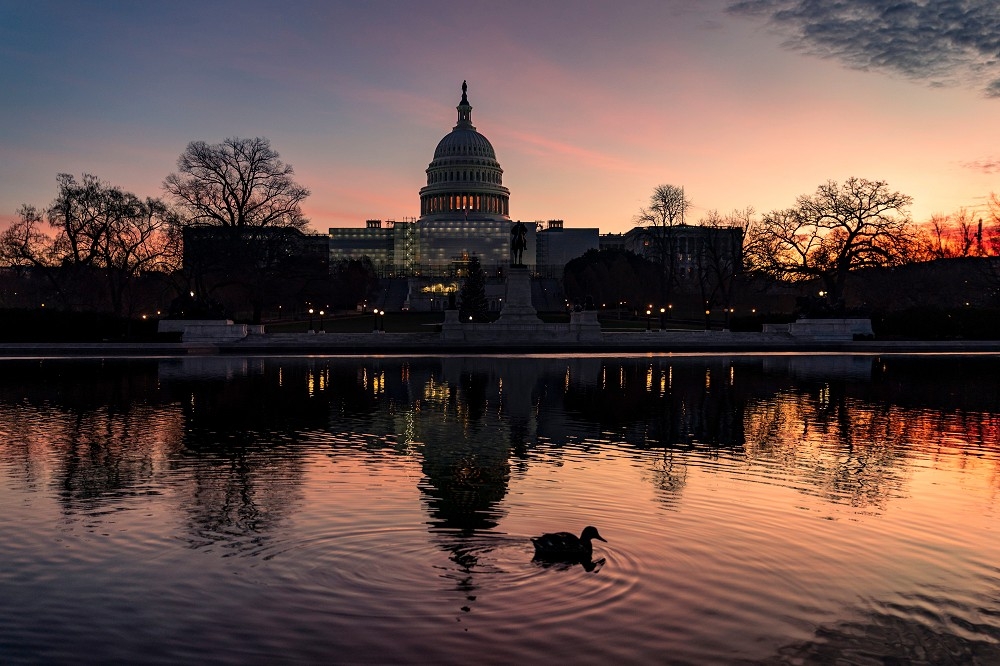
{"points": [[589, 106]]}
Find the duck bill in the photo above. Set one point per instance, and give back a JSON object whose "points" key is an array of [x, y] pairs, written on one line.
{"points": [[600, 538]]}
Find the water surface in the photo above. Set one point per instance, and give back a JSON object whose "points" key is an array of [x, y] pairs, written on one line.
{"points": [[758, 509]]}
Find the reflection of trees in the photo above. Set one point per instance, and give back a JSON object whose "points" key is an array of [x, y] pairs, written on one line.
{"points": [[240, 456], [669, 473], [97, 455], [847, 450], [98, 421], [237, 494]]}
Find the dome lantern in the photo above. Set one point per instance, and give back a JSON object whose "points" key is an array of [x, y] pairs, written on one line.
{"points": [[465, 110]]}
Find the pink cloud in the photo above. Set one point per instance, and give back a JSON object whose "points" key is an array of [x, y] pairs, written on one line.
{"points": [[987, 166]]}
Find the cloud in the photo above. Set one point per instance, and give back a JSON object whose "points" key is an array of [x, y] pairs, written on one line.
{"points": [[987, 166], [939, 42], [537, 144]]}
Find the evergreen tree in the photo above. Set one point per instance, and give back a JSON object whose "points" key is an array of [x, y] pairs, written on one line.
{"points": [[473, 294]]}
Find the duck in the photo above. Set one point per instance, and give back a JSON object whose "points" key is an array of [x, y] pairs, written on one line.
{"points": [[563, 545]]}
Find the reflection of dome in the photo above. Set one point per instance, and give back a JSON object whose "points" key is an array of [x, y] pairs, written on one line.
{"points": [[464, 176]]}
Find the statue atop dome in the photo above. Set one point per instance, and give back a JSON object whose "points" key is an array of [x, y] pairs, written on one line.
{"points": [[464, 109]]}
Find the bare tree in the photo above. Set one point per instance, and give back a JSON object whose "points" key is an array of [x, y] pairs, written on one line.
{"points": [[23, 244], [236, 183], [667, 207], [991, 240], [838, 229], [139, 239], [102, 235], [720, 256], [243, 210]]}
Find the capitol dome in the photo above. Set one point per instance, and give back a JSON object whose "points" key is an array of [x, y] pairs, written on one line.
{"points": [[464, 177]]}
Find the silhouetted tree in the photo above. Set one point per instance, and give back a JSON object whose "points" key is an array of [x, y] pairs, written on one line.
{"points": [[720, 256], [666, 210], [236, 183], [473, 293], [243, 189], [951, 236], [838, 229], [354, 281], [104, 237], [610, 277]]}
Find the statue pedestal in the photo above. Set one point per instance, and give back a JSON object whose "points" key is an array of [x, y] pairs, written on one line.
{"points": [[517, 307], [451, 329]]}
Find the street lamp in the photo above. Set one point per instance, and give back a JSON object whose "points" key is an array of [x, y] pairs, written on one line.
{"points": [[708, 320], [648, 312], [321, 313], [310, 320], [663, 325]]}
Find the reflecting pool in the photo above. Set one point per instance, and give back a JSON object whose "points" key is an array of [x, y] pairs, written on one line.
{"points": [[757, 509]]}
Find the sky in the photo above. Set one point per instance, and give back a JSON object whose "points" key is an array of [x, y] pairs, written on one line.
{"points": [[589, 104]]}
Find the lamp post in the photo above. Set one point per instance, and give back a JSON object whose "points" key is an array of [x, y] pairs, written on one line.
{"points": [[321, 313], [310, 320], [663, 324], [648, 312], [708, 320]]}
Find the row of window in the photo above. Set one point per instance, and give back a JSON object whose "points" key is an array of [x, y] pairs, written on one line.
{"points": [[466, 150], [493, 177], [478, 203]]}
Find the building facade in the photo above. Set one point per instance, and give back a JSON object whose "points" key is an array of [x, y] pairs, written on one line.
{"points": [[689, 250]]}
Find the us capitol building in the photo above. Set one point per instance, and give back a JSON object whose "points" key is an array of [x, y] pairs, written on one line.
{"points": [[465, 213]]}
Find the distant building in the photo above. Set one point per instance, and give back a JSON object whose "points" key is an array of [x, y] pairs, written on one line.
{"points": [[693, 248], [223, 248], [390, 246], [556, 246]]}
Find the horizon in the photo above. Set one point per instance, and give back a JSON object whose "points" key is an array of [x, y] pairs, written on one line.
{"points": [[589, 107]]}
